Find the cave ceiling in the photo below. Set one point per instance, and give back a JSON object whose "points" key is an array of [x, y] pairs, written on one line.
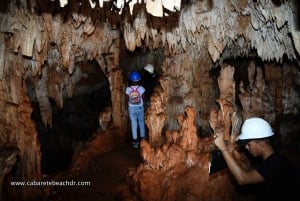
{"points": [[68, 29], [46, 47], [61, 34]]}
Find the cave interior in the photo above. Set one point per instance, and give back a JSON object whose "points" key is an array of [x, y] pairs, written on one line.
{"points": [[64, 67]]}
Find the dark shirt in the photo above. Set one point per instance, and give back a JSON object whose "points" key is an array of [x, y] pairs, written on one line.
{"points": [[278, 177], [149, 83]]}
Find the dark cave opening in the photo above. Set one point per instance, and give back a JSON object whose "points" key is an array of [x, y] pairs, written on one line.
{"points": [[136, 61], [75, 123]]}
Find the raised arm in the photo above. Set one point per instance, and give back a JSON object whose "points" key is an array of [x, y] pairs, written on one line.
{"points": [[241, 175]]}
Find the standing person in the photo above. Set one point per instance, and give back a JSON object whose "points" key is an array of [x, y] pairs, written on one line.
{"points": [[149, 82], [272, 179], [135, 93]]}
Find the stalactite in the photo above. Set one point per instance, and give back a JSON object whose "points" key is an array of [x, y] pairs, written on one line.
{"points": [[40, 88], [290, 95], [223, 24], [140, 26], [206, 33], [2, 54], [256, 98], [155, 8], [65, 50], [296, 40], [89, 26], [129, 36]]}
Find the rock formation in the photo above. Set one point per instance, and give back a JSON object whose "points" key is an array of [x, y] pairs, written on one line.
{"points": [[201, 88]]}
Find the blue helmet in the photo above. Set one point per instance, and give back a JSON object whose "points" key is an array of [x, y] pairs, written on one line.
{"points": [[134, 76]]}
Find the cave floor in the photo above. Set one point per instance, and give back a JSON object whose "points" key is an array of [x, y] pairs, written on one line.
{"points": [[106, 173]]}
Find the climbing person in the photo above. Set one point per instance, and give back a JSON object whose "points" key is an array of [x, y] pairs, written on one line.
{"points": [[135, 94], [272, 179], [149, 78]]}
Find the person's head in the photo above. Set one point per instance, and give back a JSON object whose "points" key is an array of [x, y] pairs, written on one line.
{"points": [[258, 147], [134, 78], [255, 135]]}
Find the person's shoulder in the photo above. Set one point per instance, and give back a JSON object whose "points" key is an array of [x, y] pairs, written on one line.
{"points": [[278, 158], [282, 163], [141, 89], [128, 89]]}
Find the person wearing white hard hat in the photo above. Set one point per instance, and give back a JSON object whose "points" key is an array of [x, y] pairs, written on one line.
{"points": [[272, 176], [149, 68], [149, 78]]}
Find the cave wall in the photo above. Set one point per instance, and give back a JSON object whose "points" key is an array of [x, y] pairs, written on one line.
{"points": [[17, 128], [39, 52], [41, 43], [176, 164]]}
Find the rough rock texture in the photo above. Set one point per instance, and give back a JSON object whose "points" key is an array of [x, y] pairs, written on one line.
{"points": [[17, 128], [176, 163], [43, 43], [178, 170], [9, 156]]}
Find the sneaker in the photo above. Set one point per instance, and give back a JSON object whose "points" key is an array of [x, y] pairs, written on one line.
{"points": [[135, 144]]}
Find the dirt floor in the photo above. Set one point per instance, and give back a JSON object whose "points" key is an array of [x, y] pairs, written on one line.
{"points": [[106, 173]]}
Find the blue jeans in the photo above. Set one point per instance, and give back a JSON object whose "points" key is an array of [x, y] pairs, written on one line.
{"points": [[136, 115]]}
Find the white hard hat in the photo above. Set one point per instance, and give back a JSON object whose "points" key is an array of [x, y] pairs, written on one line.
{"points": [[254, 128], [149, 68]]}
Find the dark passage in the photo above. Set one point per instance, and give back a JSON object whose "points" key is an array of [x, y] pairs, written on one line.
{"points": [[75, 123]]}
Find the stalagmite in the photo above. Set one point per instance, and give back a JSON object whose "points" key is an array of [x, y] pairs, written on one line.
{"points": [[188, 130], [227, 98], [155, 119], [44, 46], [179, 160]]}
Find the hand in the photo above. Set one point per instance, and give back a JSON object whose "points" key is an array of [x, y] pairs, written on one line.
{"points": [[219, 141]]}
